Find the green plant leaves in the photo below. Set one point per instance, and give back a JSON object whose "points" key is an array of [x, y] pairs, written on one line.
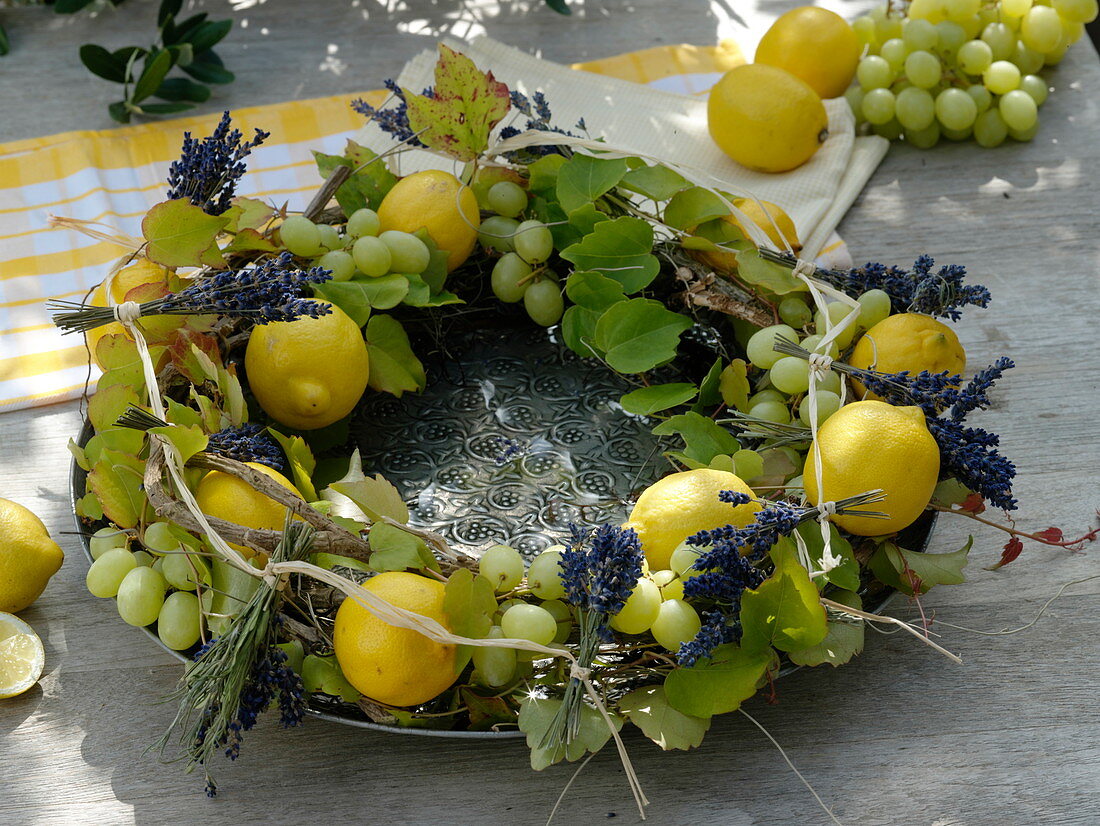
{"points": [[767, 274], [301, 461], [845, 575], [180, 234], [621, 250], [536, 716], [369, 182], [591, 294], [649, 400], [784, 611], [914, 572], [394, 368], [153, 75], [717, 685], [583, 179], [843, 640], [469, 604], [398, 550], [188, 440], [691, 207], [376, 497], [638, 334], [656, 182], [648, 708], [703, 438], [116, 481], [102, 63]]}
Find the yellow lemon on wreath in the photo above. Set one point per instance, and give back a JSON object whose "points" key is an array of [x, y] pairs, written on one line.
{"points": [[28, 557], [310, 372], [395, 666], [771, 218], [681, 504], [142, 271], [438, 202], [872, 445], [231, 498], [907, 341], [22, 656], [766, 118], [815, 45]]}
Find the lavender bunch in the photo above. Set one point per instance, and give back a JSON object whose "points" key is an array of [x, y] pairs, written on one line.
{"points": [[393, 121], [208, 169], [247, 443], [537, 111]]}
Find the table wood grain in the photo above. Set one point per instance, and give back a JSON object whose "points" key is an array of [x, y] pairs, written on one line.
{"points": [[901, 735]]}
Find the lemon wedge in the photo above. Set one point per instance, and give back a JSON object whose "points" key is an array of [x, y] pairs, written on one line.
{"points": [[22, 656]]}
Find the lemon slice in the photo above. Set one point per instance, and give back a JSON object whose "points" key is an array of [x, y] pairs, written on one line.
{"points": [[22, 657]]}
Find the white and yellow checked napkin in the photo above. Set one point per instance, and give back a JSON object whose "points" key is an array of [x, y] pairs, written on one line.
{"points": [[115, 176]]}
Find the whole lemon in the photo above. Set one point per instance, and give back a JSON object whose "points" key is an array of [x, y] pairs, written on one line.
{"points": [[682, 504], [438, 202], [28, 557], [396, 666], [870, 445], [771, 218], [766, 118], [310, 372], [142, 271], [815, 45], [228, 497], [907, 341]]}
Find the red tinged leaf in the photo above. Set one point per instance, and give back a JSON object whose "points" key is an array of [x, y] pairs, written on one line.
{"points": [[1051, 535], [973, 503], [1011, 551]]}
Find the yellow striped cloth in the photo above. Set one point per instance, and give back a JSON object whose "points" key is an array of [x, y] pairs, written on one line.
{"points": [[115, 176]]}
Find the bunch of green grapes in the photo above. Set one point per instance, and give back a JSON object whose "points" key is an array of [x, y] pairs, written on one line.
{"points": [[154, 585], [962, 68], [361, 250], [520, 273]]}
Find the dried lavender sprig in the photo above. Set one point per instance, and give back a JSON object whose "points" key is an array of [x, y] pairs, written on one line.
{"points": [[247, 443], [208, 169], [776, 433], [138, 418], [394, 120]]}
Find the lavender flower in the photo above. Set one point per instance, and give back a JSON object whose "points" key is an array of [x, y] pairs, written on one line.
{"points": [[247, 443], [537, 111], [393, 121], [600, 568], [717, 629], [208, 169]]}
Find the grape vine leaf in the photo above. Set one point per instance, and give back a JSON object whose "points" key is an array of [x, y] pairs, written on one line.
{"points": [[536, 716], [785, 611], [767, 274], [845, 575], [543, 174], [639, 334], [912, 571], [583, 179], [323, 674], [465, 105], [376, 497], [301, 461], [691, 207], [332, 561], [703, 438], [469, 605], [248, 213], [748, 464], [648, 708], [249, 240], [591, 294], [180, 234], [394, 368], [354, 297], [620, 249], [709, 388], [843, 640], [110, 402], [733, 384], [117, 487], [719, 684], [187, 439], [397, 550], [649, 400], [368, 183], [656, 182]]}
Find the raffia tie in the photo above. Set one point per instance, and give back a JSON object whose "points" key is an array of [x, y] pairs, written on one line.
{"points": [[127, 312]]}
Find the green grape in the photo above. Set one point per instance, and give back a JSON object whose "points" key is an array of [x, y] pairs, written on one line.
{"points": [[330, 237], [498, 233], [1071, 32], [874, 72], [949, 37], [146, 559], [864, 27], [811, 342], [919, 34], [769, 395], [640, 610], [372, 256], [1001, 40], [923, 69], [676, 623], [961, 9], [563, 616], [341, 264], [925, 10], [544, 575], [408, 254], [105, 539], [683, 558], [955, 109], [854, 95], [888, 27], [957, 134], [973, 26], [183, 570], [981, 96], [989, 15], [179, 625], [508, 272], [990, 129], [874, 306], [1018, 110], [672, 587], [791, 375], [1055, 57], [772, 411], [363, 222], [760, 347], [891, 130], [1041, 29], [915, 108], [301, 236], [975, 56], [140, 596], [533, 241], [1035, 87], [1001, 77], [795, 312], [496, 666], [1077, 11], [106, 573], [1024, 135], [924, 138], [543, 302], [1028, 61], [1018, 8], [828, 403], [830, 381], [837, 314], [502, 566], [894, 51], [159, 539], [878, 106], [529, 622], [507, 199]]}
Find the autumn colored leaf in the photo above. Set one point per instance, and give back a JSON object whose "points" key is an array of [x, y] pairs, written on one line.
{"points": [[1051, 535], [973, 503], [1011, 550], [180, 234]]}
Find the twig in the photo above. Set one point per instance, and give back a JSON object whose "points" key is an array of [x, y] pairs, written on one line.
{"points": [[855, 612]]}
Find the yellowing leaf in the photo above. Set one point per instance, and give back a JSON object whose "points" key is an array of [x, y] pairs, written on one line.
{"points": [[180, 234], [376, 497], [785, 610], [648, 708]]}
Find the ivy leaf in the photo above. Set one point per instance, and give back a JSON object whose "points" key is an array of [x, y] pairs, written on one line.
{"points": [[691, 207], [843, 640], [648, 708], [465, 106], [536, 716], [703, 438], [301, 461], [767, 274], [658, 183], [397, 550], [620, 249], [649, 400], [469, 605], [188, 440], [717, 685], [394, 368], [376, 497], [583, 179], [845, 575], [733, 384], [914, 572], [367, 185], [248, 213], [109, 403], [180, 234], [117, 487], [785, 610], [543, 174], [639, 334]]}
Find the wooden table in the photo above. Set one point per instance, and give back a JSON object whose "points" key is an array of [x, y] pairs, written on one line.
{"points": [[901, 735]]}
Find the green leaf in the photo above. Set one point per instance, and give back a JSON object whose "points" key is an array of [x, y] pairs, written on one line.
{"points": [[78, 454], [639, 334], [578, 331], [175, 33], [593, 291], [88, 507], [208, 68], [248, 213], [469, 605], [376, 497], [249, 240], [180, 234], [583, 179], [352, 297], [208, 34], [656, 182], [544, 175], [620, 249], [767, 274], [703, 438], [397, 550], [717, 685], [332, 561], [323, 674], [165, 108], [394, 368], [648, 708], [709, 392], [70, 6], [183, 415], [167, 10], [118, 488], [5, 44], [733, 384], [102, 63], [369, 182], [465, 106], [748, 464], [912, 571], [152, 77], [187, 440], [109, 403], [302, 463], [582, 221], [843, 640], [560, 6], [691, 207], [649, 400], [180, 88], [845, 575], [785, 610], [536, 716]]}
